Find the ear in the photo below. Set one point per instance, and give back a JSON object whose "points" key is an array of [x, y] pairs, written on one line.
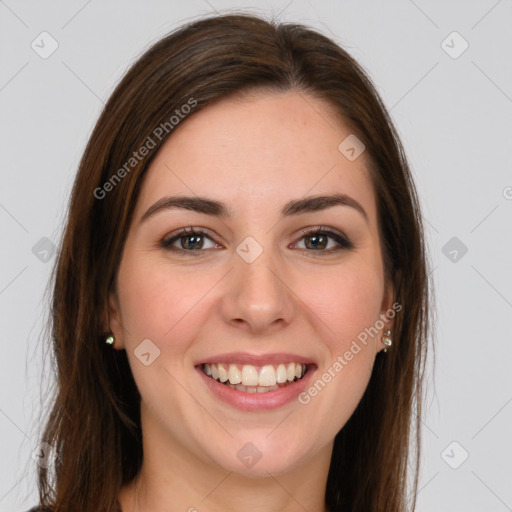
{"points": [[387, 312], [114, 321], [388, 300]]}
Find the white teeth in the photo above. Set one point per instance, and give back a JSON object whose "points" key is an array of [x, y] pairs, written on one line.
{"points": [[267, 376], [290, 371], [249, 375], [223, 373], [234, 374], [281, 374], [260, 379]]}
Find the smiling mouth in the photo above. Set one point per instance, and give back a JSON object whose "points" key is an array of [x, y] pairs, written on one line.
{"points": [[256, 379]]}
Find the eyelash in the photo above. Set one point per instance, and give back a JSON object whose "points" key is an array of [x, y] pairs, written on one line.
{"points": [[342, 240]]}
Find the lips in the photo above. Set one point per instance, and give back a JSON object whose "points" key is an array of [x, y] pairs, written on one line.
{"points": [[278, 389]]}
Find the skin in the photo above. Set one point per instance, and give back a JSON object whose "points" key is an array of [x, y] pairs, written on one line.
{"points": [[254, 153]]}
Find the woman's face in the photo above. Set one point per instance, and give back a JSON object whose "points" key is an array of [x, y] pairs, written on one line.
{"points": [[253, 293]]}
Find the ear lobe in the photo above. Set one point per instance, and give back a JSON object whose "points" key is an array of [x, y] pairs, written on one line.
{"points": [[387, 307]]}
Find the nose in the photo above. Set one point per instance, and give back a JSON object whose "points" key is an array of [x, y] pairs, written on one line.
{"points": [[257, 297]]}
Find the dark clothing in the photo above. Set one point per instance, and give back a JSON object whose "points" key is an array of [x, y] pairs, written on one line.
{"points": [[40, 509]]}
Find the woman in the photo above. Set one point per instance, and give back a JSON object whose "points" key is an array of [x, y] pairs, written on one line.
{"points": [[240, 306]]}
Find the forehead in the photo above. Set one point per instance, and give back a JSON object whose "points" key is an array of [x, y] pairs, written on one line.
{"points": [[259, 149]]}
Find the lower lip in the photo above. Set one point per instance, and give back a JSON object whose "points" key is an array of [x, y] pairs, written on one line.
{"points": [[258, 401]]}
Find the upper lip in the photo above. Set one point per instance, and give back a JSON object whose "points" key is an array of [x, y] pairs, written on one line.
{"points": [[256, 359]]}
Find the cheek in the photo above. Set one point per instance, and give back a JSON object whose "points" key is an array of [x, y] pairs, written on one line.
{"points": [[161, 303], [345, 304], [164, 306], [348, 305], [358, 304], [346, 300]]}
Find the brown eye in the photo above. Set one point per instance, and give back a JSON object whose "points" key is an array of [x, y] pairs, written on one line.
{"points": [[189, 239], [321, 240]]}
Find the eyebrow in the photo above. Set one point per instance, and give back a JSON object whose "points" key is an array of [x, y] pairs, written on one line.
{"points": [[218, 209]]}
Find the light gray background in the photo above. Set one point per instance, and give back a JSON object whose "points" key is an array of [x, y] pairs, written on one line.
{"points": [[455, 119]]}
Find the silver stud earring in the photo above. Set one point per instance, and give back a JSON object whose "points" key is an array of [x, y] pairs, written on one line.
{"points": [[386, 339], [110, 341]]}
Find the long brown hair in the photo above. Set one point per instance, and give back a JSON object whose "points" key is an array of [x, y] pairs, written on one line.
{"points": [[94, 421]]}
